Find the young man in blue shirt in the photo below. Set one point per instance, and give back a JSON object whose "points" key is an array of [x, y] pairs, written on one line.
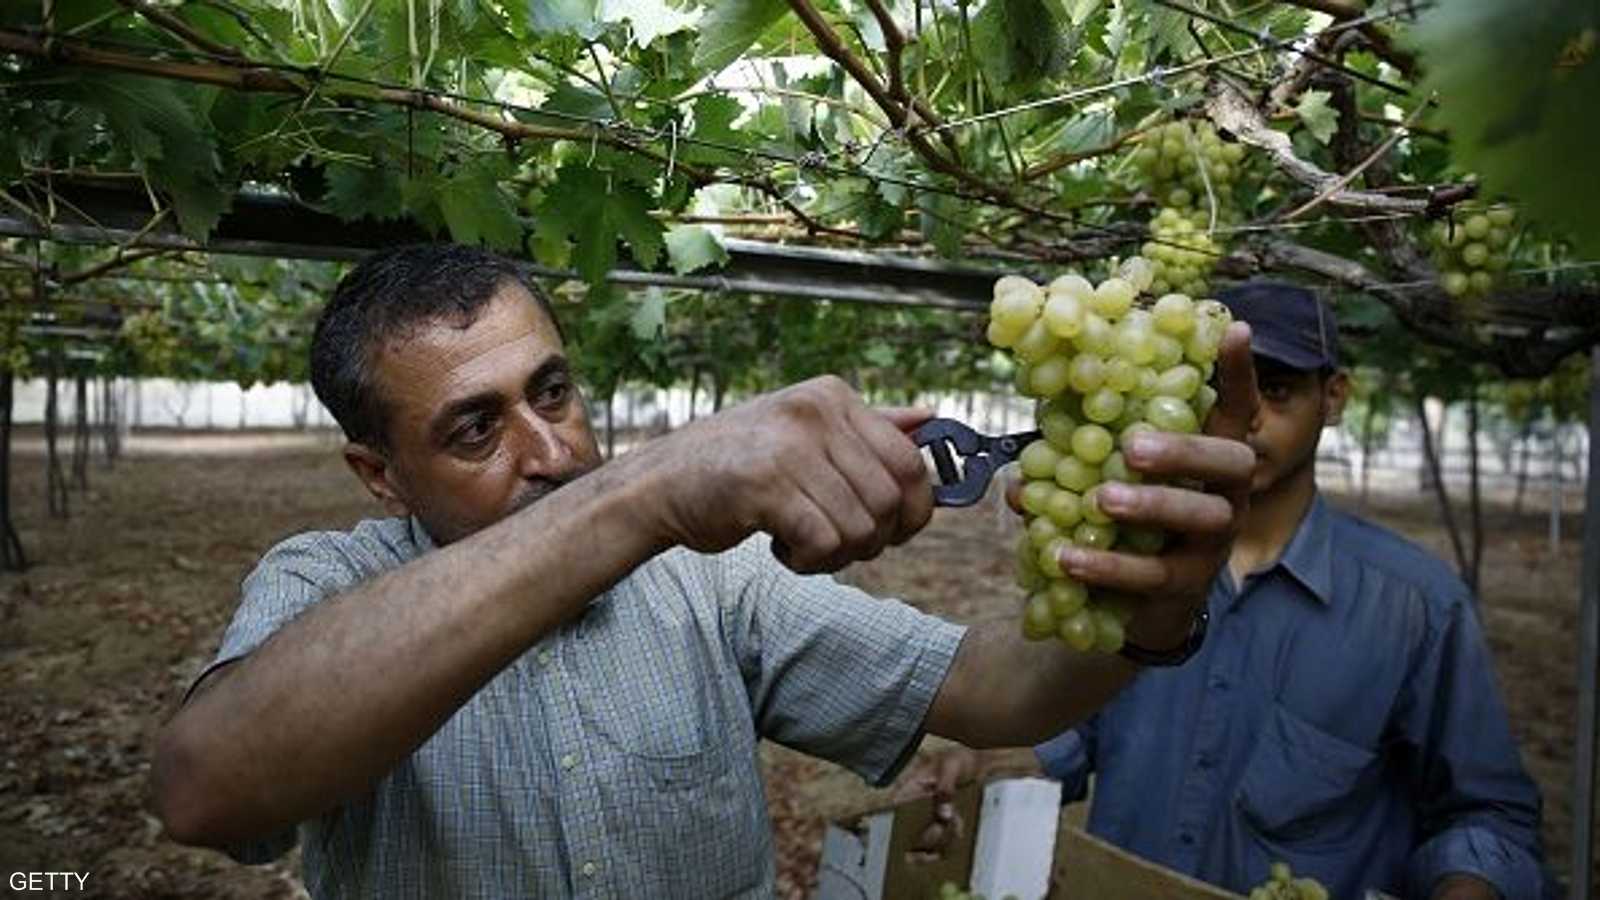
{"points": [[1342, 715]]}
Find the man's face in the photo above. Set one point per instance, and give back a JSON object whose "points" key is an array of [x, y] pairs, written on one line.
{"points": [[482, 421], [1295, 406]]}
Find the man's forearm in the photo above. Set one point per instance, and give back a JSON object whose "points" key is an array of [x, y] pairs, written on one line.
{"points": [[332, 701], [1021, 692]]}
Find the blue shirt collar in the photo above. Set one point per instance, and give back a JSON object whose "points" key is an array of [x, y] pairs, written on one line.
{"points": [[1309, 556]]}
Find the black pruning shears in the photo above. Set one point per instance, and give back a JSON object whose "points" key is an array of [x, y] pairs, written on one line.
{"points": [[981, 456]]}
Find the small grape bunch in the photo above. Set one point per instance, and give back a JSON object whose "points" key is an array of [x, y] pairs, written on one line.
{"points": [[1181, 252], [1282, 885], [1185, 165], [1103, 365], [1472, 254]]}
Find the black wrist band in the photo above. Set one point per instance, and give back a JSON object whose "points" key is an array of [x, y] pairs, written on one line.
{"points": [[1178, 655]]}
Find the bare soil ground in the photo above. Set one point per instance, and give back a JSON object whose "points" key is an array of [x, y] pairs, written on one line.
{"points": [[128, 597]]}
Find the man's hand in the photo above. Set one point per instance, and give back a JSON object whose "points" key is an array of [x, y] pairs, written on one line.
{"points": [[830, 479], [1201, 524]]}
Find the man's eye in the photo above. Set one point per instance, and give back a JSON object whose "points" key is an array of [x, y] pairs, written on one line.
{"points": [[477, 430], [553, 394]]}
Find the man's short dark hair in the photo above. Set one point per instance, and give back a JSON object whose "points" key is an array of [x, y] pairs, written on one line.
{"points": [[387, 297]]}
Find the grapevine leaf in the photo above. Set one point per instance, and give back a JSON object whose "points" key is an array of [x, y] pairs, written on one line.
{"points": [[564, 17], [356, 192], [595, 208], [1318, 116], [650, 19], [477, 211], [879, 354], [940, 222], [694, 247], [649, 319], [730, 27]]}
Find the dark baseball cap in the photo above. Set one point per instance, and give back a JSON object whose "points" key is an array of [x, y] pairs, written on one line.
{"points": [[1288, 323]]}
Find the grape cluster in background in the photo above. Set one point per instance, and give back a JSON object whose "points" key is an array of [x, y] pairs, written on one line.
{"points": [[1472, 253], [1103, 366], [1190, 172], [1282, 885]]}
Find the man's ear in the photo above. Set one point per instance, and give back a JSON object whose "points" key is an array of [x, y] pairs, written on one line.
{"points": [[1335, 392], [372, 467]]}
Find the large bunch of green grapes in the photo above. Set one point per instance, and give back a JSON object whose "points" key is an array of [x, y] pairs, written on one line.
{"points": [[1190, 171], [1103, 365], [1472, 255], [153, 341], [1282, 885]]}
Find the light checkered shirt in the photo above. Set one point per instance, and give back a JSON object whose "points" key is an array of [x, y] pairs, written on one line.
{"points": [[617, 757]]}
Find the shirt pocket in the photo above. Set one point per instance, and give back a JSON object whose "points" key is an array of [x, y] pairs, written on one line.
{"points": [[1302, 783], [647, 690]]}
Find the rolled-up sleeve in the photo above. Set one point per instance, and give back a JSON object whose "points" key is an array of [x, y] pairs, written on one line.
{"points": [[1069, 758], [1478, 809], [291, 578], [831, 670]]}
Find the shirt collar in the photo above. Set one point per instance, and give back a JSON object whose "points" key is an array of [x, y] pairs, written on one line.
{"points": [[420, 536], [1309, 556]]}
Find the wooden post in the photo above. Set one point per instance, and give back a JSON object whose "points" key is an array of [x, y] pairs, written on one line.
{"points": [[1583, 799]]}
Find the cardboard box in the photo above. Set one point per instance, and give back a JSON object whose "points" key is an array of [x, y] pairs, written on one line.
{"points": [[1014, 839]]}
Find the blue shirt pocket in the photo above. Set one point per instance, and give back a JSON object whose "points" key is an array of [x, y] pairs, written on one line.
{"points": [[1303, 784]]}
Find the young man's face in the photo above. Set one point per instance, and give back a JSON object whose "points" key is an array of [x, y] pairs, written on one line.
{"points": [[481, 421], [1295, 406]]}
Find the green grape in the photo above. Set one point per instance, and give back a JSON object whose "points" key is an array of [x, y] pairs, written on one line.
{"points": [[1127, 435], [1050, 376], [1475, 255], [1064, 507], [1039, 459], [1181, 381], [1049, 560], [1456, 284], [1063, 314], [1134, 344], [1067, 596], [1174, 314], [1036, 343], [1077, 631], [1498, 238], [999, 336], [1477, 227], [1168, 414], [1121, 375], [1169, 351], [1076, 475], [1204, 401], [1086, 373], [1090, 507], [1112, 298], [1138, 272], [1015, 309], [1108, 634], [1073, 284], [1091, 443], [1115, 468], [1058, 426], [1041, 531], [1095, 537], [1038, 622], [1104, 405], [1132, 412], [1095, 337], [1035, 494], [1480, 282]]}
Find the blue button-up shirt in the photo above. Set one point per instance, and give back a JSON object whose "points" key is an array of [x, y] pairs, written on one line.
{"points": [[1342, 717]]}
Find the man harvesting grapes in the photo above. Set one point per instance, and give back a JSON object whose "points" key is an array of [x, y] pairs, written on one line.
{"points": [[546, 676], [1343, 716]]}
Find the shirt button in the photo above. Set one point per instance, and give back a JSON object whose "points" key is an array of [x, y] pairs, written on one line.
{"points": [[568, 762], [544, 657], [1205, 761], [589, 869], [1186, 839], [1219, 684]]}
